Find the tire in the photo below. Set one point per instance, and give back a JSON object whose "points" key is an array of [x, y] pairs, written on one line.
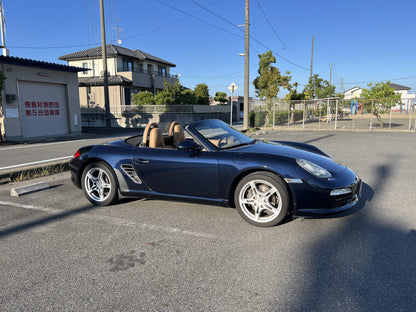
{"points": [[99, 184], [262, 199]]}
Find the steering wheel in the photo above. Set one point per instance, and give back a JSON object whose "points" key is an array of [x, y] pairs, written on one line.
{"points": [[223, 141]]}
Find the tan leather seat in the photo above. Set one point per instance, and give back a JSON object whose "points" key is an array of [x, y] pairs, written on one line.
{"points": [[156, 138], [149, 127], [178, 135]]}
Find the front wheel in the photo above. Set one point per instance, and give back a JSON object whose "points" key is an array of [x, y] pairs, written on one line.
{"points": [[262, 199], [99, 184]]}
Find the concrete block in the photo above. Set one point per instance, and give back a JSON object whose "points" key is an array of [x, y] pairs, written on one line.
{"points": [[19, 191]]}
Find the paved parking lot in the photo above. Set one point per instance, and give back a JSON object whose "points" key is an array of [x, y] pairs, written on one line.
{"points": [[60, 253]]}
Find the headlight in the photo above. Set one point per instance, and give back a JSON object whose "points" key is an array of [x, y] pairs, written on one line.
{"points": [[314, 169]]}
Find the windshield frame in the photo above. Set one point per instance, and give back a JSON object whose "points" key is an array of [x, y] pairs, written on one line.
{"points": [[217, 135]]}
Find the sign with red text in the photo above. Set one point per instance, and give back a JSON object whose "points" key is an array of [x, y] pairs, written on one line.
{"points": [[43, 109]]}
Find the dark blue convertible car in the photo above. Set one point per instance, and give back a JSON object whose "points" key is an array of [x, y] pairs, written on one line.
{"points": [[264, 180]]}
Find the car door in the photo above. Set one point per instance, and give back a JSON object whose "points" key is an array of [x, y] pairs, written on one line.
{"points": [[185, 173]]}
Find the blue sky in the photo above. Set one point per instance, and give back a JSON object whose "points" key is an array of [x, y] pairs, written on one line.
{"points": [[367, 41]]}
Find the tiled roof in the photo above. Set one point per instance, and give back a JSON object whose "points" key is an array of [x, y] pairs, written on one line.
{"points": [[113, 50], [12, 60], [399, 87]]}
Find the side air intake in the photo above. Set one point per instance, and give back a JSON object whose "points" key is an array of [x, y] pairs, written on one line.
{"points": [[129, 170]]}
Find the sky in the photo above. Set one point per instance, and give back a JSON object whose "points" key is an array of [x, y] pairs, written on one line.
{"points": [[365, 41]]}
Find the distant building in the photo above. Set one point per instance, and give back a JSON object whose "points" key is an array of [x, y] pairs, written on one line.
{"points": [[238, 105], [39, 99], [353, 93], [130, 71], [406, 97]]}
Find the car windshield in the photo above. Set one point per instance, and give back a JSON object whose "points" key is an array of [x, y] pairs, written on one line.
{"points": [[221, 135]]}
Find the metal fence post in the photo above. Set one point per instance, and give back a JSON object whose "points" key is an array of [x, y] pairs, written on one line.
{"points": [[274, 111], [336, 113], [372, 110], [288, 112], [391, 112]]}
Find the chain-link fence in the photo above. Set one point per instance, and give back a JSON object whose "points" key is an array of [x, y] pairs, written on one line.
{"points": [[357, 114]]}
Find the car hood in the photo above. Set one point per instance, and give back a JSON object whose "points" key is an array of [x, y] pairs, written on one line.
{"points": [[289, 151]]}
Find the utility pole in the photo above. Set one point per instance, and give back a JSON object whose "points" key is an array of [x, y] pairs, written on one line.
{"points": [[5, 52], [330, 75], [246, 64], [310, 76], [104, 58]]}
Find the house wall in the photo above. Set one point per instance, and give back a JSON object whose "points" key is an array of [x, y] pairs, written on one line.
{"points": [[11, 117], [92, 98]]}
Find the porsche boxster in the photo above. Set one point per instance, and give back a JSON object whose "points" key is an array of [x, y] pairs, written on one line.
{"points": [[211, 161]]}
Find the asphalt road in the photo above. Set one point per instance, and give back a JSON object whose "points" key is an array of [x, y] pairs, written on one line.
{"points": [[60, 253], [33, 154]]}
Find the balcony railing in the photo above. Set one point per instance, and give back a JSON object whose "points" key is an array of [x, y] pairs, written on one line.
{"points": [[147, 72]]}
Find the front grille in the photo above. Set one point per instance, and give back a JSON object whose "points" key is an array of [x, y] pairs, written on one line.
{"points": [[132, 174]]}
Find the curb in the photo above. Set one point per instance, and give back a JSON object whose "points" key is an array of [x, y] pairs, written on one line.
{"points": [[27, 173]]}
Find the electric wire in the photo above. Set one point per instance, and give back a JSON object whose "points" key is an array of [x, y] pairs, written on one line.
{"points": [[270, 24], [52, 25]]}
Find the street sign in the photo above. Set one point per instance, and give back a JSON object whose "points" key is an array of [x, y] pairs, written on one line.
{"points": [[232, 87]]}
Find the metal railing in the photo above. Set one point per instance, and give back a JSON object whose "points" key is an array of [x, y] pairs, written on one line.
{"points": [[357, 114], [146, 72], [158, 109]]}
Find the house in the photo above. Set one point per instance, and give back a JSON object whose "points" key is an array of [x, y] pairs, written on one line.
{"points": [[129, 71], [406, 97], [353, 93], [39, 99]]}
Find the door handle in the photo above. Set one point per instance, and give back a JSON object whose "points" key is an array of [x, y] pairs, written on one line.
{"points": [[140, 161]]}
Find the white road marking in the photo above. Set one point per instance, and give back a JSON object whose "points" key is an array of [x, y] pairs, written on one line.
{"points": [[38, 145], [30, 207], [117, 221], [35, 162]]}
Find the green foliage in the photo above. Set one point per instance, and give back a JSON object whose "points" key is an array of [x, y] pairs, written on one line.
{"points": [[202, 94], [317, 88], [270, 80], [144, 98], [221, 97], [186, 97], [383, 93], [382, 97]]}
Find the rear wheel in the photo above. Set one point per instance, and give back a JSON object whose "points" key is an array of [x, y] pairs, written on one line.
{"points": [[99, 184], [262, 199]]}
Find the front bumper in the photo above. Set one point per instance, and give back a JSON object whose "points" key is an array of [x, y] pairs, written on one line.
{"points": [[311, 198]]}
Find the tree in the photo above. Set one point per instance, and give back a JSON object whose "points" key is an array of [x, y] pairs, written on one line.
{"points": [[293, 94], [221, 97], [382, 97], [270, 80], [317, 88], [202, 94], [144, 98], [186, 97]]}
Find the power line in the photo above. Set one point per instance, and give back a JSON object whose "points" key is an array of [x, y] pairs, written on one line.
{"points": [[52, 25], [199, 19], [270, 24], [251, 37]]}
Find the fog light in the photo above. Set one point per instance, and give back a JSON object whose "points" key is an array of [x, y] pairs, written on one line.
{"points": [[342, 191]]}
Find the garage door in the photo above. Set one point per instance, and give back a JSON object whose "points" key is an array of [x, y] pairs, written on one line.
{"points": [[43, 109]]}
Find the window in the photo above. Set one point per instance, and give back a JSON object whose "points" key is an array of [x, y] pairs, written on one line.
{"points": [[85, 67], [161, 71], [127, 65]]}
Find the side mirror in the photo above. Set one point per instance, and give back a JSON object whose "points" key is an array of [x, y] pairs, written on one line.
{"points": [[188, 145]]}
